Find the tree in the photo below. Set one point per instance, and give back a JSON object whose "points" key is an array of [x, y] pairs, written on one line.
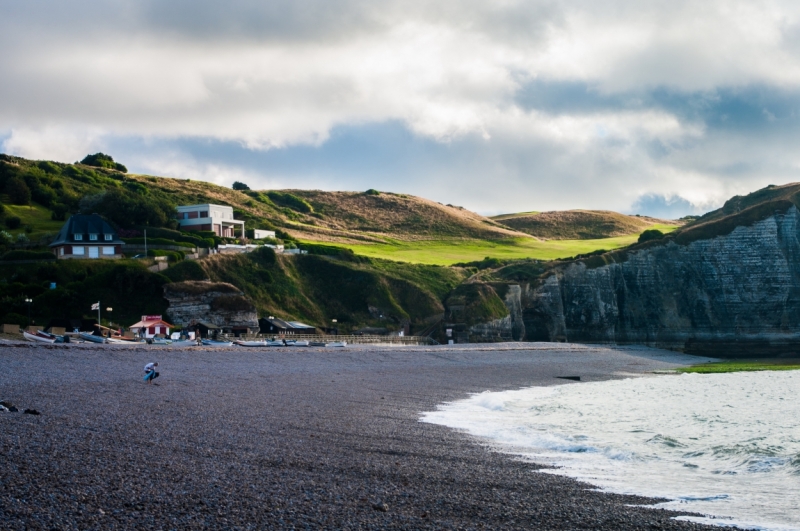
{"points": [[650, 234], [18, 191], [240, 186], [13, 222], [101, 160]]}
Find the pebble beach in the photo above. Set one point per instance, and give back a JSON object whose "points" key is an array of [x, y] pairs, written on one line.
{"points": [[290, 438]]}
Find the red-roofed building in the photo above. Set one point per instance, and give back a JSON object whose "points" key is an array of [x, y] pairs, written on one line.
{"points": [[151, 326]]}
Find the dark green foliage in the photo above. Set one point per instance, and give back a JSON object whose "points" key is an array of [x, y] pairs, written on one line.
{"points": [[285, 236], [475, 303], [521, 271], [158, 241], [186, 270], [59, 212], [28, 255], [124, 285], [486, 263], [333, 250], [18, 191], [102, 160], [290, 201], [372, 191], [128, 210], [650, 234], [240, 186], [13, 222]]}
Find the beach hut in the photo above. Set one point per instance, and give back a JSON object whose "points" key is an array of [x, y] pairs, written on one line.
{"points": [[151, 326]]}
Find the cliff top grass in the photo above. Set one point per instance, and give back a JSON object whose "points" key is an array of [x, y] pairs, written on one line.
{"points": [[743, 365], [581, 224]]}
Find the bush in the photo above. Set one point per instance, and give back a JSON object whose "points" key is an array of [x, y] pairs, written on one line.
{"points": [[27, 255], [59, 212], [240, 186], [13, 222], [290, 201], [5, 237], [18, 191], [650, 234], [101, 160], [372, 191], [187, 270], [158, 241]]}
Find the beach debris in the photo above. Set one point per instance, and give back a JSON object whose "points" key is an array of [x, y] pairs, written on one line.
{"points": [[573, 378], [31, 412], [3, 409], [8, 406], [380, 506]]}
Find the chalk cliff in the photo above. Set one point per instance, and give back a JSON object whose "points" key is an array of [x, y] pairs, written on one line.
{"points": [[736, 293], [217, 303]]}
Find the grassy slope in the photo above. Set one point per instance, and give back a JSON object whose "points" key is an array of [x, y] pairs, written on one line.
{"points": [[444, 252], [743, 365], [580, 224], [317, 289]]}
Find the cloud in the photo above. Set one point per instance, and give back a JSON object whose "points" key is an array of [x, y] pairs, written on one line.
{"points": [[659, 206], [556, 104]]}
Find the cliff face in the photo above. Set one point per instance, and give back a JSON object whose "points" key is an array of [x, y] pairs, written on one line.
{"points": [[735, 294], [217, 303]]}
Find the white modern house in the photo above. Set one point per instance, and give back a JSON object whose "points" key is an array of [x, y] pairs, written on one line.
{"points": [[259, 234], [218, 218]]}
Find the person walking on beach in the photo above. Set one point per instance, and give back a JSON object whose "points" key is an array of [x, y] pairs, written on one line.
{"points": [[150, 373]]}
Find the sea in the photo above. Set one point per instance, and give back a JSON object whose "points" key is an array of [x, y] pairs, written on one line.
{"points": [[726, 446]]}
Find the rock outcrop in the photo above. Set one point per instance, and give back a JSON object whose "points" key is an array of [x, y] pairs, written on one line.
{"points": [[216, 303], [736, 294]]}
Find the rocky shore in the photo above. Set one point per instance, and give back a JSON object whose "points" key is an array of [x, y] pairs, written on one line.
{"points": [[288, 439]]}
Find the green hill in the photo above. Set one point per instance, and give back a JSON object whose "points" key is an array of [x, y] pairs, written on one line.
{"points": [[581, 224]]}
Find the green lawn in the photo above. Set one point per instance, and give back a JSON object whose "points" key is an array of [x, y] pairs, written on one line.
{"points": [[744, 365], [448, 252], [35, 215]]}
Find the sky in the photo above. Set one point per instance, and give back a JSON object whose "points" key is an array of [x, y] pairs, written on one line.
{"points": [[658, 107]]}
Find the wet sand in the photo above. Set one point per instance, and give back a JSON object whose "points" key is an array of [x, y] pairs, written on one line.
{"points": [[288, 438]]}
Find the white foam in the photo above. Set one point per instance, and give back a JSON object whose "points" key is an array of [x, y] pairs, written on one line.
{"points": [[726, 445]]}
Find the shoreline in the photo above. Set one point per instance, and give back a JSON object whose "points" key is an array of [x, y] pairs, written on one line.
{"points": [[291, 437]]}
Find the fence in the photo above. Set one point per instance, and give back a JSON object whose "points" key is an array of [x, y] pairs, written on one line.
{"points": [[351, 339]]}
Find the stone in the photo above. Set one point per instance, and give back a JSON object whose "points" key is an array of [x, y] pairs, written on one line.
{"points": [[9, 406], [31, 412], [217, 303]]}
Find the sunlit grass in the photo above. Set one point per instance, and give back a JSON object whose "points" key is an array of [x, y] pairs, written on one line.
{"points": [[743, 365], [37, 216], [448, 252]]}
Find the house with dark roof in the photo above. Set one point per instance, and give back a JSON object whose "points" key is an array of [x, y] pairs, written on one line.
{"points": [[87, 236]]}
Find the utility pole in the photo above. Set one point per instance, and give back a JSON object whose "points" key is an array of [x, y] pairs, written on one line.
{"points": [[145, 243]]}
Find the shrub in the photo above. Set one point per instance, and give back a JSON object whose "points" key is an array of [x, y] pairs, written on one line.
{"points": [[5, 237], [372, 191], [22, 238], [18, 191], [13, 222], [28, 255], [59, 212], [187, 270], [650, 234], [291, 201], [240, 186], [101, 160]]}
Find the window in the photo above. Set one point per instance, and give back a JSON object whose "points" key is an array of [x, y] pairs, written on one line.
{"points": [[192, 215], [78, 237], [109, 237], [93, 237], [204, 214], [78, 250], [61, 251], [108, 251]]}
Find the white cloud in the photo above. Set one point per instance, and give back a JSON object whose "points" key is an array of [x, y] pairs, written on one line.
{"points": [[272, 75]]}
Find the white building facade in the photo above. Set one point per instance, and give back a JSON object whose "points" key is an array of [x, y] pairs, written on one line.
{"points": [[217, 218]]}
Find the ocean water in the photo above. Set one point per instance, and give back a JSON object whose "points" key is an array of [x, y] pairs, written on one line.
{"points": [[723, 445]]}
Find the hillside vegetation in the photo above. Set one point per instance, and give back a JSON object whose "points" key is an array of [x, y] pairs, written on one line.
{"points": [[581, 224]]}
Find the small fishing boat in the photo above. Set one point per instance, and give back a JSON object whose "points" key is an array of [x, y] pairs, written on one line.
{"points": [[216, 343], [184, 343], [92, 338], [42, 337], [294, 343], [119, 341], [275, 343], [159, 341], [337, 344], [261, 343]]}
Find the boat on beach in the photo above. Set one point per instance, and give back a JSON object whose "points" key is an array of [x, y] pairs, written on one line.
{"points": [[328, 343], [216, 343], [293, 343], [184, 343], [261, 343], [42, 337], [91, 338]]}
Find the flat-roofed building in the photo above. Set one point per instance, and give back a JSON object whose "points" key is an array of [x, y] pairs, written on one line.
{"points": [[217, 218]]}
